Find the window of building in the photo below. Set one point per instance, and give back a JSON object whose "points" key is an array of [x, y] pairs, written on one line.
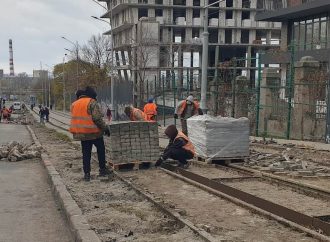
{"points": [[143, 1], [228, 36], [196, 13], [159, 2], [197, 3], [143, 12], [179, 13], [245, 15], [159, 12], [310, 33], [246, 3], [195, 33], [245, 36], [229, 3], [213, 1], [213, 37], [179, 2], [229, 14]]}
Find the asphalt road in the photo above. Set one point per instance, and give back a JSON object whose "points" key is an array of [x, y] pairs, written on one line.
{"points": [[28, 211]]}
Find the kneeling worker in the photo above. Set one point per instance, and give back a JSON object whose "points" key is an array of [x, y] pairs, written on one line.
{"points": [[135, 114], [179, 148], [87, 125]]}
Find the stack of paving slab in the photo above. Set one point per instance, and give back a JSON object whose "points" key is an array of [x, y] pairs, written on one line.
{"points": [[133, 142], [217, 138]]}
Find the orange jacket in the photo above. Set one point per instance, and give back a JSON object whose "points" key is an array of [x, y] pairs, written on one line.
{"points": [[189, 146], [183, 106], [5, 112], [81, 121], [138, 115], [150, 109]]}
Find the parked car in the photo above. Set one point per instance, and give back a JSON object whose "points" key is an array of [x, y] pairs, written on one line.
{"points": [[17, 106]]}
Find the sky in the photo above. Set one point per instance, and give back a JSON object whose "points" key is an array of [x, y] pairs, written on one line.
{"points": [[36, 27]]}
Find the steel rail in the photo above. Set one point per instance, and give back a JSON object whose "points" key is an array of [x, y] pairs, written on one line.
{"points": [[273, 208]]}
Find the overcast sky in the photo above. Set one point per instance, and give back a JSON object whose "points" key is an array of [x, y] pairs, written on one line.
{"points": [[35, 26]]}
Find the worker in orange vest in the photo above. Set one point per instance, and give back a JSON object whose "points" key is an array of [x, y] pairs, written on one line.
{"points": [[179, 148], [186, 109], [5, 113], [135, 114], [150, 109], [87, 125]]}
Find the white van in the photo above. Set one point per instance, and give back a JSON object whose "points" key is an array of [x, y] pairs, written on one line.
{"points": [[17, 106]]}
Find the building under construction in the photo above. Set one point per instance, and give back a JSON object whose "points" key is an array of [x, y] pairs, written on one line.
{"points": [[163, 38]]}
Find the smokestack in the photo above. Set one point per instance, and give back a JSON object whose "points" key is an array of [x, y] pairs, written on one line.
{"points": [[11, 58]]}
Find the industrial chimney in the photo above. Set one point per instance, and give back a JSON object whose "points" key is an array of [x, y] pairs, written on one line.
{"points": [[11, 58]]}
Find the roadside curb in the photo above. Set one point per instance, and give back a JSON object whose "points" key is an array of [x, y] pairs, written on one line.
{"points": [[78, 224]]}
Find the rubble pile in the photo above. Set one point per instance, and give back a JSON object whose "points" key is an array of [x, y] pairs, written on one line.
{"points": [[24, 119], [15, 151], [284, 163]]}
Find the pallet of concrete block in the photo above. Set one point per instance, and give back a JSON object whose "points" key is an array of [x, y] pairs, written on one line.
{"points": [[219, 138], [133, 145]]}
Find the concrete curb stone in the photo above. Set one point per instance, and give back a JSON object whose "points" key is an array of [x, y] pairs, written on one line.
{"points": [[78, 224]]}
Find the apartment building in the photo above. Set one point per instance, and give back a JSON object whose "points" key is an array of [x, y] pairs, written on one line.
{"points": [[164, 38]]}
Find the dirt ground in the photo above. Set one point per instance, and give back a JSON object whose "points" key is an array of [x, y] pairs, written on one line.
{"points": [[221, 218], [113, 210]]}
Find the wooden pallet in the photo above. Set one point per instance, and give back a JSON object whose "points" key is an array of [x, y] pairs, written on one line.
{"points": [[131, 166], [218, 160]]}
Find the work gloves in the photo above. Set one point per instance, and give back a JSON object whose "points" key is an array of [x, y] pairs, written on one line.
{"points": [[107, 132], [175, 116], [159, 162]]}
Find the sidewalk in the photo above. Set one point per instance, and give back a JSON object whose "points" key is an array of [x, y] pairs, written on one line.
{"points": [[28, 211]]}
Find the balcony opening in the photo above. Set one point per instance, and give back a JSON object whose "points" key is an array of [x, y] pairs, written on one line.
{"points": [[229, 3], [143, 1], [143, 12], [197, 3], [195, 33], [179, 35], [245, 34], [179, 2], [159, 12], [213, 37], [261, 37], [245, 15], [228, 36], [179, 16], [159, 2], [229, 14], [196, 13], [213, 13], [213, 1]]}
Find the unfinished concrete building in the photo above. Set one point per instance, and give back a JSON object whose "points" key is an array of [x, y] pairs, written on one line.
{"points": [[163, 38]]}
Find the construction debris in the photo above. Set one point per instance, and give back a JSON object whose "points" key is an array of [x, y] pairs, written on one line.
{"points": [[15, 151], [285, 163]]}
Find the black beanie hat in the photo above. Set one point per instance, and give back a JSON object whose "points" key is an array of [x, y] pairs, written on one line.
{"points": [[90, 92], [171, 131]]}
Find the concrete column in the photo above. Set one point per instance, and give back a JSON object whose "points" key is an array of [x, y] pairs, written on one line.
{"points": [[241, 97], [123, 57], [248, 62], [304, 123], [180, 71], [118, 65], [284, 36], [270, 79]]}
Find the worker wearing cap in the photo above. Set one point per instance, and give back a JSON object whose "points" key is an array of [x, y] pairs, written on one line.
{"points": [[179, 148], [150, 109], [135, 114], [87, 125], [186, 109]]}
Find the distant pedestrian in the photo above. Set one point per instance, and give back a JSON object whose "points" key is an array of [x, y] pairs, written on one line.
{"points": [[46, 112], [109, 114], [31, 107], [87, 125], [5, 113], [42, 115], [40, 106], [51, 107]]}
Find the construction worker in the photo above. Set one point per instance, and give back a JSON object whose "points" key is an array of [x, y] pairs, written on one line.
{"points": [[135, 114], [186, 109], [150, 109], [5, 113], [87, 125], [179, 148]]}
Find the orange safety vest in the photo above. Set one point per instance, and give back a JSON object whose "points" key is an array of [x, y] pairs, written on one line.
{"points": [[137, 112], [184, 105], [189, 146], [150, 109], [81, 121]]}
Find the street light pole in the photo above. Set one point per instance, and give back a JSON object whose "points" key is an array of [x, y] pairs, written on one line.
{"points": [[64, 108], [205, 55], [76, 45]]}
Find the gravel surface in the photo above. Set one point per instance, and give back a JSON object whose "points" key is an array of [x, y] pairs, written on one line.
{"points": [[218, 216], [113, 210]]}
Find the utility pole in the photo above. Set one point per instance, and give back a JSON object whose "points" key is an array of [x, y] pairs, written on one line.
{"points": [[205, 54]]}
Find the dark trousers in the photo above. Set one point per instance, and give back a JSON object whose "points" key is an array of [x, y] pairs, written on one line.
{"points": [[87, 146], [180, 155], [184, 126]]}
